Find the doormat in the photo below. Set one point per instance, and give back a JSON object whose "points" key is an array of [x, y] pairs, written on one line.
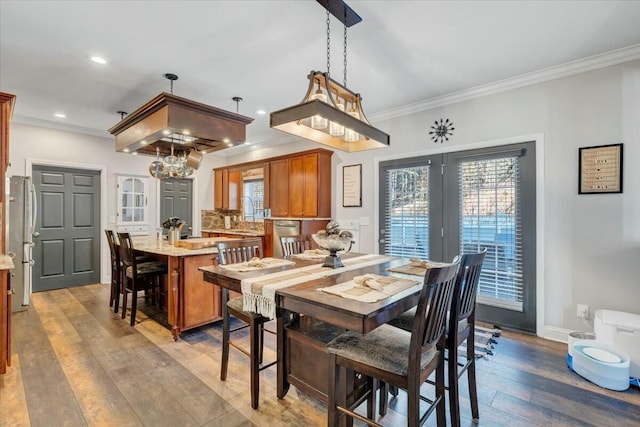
{"points": [[485, 341]]}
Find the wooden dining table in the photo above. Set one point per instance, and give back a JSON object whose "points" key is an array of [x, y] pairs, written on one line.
{"points": [[307, 318]]}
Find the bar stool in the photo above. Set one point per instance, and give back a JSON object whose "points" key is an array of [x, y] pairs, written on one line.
{"points": [[229, 253], [460, 327], [114, 297], [296, 244], [137, 276], [397, 357]]}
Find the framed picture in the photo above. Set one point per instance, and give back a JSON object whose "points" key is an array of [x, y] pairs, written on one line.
{"points": [[352, 186], [600, 169]]}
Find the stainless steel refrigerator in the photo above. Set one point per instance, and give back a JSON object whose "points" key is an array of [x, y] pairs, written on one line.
{"points": [[21, 226]]}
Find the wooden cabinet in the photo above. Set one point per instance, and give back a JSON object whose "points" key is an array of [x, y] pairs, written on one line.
{"points": [[268, 237], [227, 189], [300, 185], [6, 109], [202, 299], [279, 187]]}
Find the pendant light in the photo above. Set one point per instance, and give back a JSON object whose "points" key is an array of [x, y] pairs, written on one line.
{"points": [[322, 115]]}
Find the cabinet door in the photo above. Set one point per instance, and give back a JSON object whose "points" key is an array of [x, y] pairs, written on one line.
{"points": [[234, 191], [201, 299], [268, 237], [310, 200], [132, 200], [225, 189], [296, 186], [279, 187], [218, 185]]}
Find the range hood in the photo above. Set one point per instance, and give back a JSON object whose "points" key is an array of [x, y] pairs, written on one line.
{"points": [[168, 120]]}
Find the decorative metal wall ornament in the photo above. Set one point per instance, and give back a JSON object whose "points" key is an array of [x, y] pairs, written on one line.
{"points": [[441, 130]]}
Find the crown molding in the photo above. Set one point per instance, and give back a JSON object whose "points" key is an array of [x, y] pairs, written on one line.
{"points": [[25, 120], [614, 57]]}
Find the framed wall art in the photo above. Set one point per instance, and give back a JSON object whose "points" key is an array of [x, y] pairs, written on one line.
{"points": [[600, 169], [352, 186]]}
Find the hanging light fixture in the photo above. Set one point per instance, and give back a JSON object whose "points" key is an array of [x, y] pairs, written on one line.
{"points": [[322, 115], [168, 120]]}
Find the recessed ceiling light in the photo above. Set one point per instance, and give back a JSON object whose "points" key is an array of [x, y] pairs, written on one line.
{"points": [[143, 142], [126, 150], [247, 143], [135, 153], [226, 140], [98, 60], [166, 132], [261, 112], [60, 115]]}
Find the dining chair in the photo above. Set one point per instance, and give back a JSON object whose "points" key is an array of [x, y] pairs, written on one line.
{"points": [[292, 245], [138, 276], [397, 357], [114, 297], [460, 328], [231, 252]]}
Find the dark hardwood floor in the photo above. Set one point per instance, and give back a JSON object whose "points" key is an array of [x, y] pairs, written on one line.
{"points": [[75, 363]]}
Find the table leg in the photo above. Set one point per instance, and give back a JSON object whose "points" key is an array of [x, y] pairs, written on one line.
{"points": [[283, 383]]}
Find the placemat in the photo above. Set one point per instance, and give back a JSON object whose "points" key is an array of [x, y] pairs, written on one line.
{"points": [[370, 287], [257, 264]]}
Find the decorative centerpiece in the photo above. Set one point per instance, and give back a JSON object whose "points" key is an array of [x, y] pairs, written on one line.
{"points": [[334, 241]]}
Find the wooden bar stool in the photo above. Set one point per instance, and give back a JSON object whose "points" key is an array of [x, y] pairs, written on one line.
{"points": [[114, 297], [232, 252], [397, 357], [460, 327], [296, 244], [138, 276]]}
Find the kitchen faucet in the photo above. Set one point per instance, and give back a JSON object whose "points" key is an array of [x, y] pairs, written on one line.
{"points": [[253, 210]]}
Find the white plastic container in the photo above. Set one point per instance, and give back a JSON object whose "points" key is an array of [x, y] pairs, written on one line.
{"points": [[601, 364], [621, 331], [578, 336]]}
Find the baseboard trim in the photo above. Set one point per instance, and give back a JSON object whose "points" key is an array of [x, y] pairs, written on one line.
{"points": [[555, 334]]}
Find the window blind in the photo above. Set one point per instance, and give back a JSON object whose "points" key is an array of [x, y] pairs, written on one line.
{"points": [[490, 217], [406, 221]]}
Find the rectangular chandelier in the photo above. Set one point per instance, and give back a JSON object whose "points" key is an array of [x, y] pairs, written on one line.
{"points": [[331, 115]]}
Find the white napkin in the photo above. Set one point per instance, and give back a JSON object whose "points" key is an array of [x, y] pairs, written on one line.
{"points": [[374, 281]]}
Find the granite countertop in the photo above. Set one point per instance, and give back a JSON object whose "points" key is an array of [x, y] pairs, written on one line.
{"points": [[6, 262], [239, 232], [150, 244]]}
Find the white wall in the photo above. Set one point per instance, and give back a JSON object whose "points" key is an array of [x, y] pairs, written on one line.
{"points": [[590, 250], [38, 145]]}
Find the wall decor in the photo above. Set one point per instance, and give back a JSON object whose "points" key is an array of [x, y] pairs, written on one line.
{"points": [[441, 130], [600, 169], [352, 186]]}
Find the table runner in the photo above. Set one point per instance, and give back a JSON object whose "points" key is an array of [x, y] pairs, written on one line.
{"points": [[259, 293]]}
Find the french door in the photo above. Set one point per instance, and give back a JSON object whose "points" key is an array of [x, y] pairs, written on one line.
{"points": [[436, 207]]}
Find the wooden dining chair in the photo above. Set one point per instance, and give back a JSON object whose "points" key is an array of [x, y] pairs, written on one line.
{"points": [[292, 245], [460, 328], [138, 276], [114, 297], [231, 252], [397, 357]]}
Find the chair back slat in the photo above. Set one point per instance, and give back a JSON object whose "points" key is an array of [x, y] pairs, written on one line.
{"points": [[126, 250], [235, 251], [466, 289], [111, 240], [292, 245], [431, 311]]}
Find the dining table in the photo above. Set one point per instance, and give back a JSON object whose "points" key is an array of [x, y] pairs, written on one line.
{"points": [[308, 317]]}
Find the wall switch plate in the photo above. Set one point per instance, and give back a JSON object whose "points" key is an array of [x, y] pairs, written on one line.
{"points": [[582, 311]]}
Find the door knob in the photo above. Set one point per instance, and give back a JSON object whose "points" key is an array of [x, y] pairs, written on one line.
{"points": [[36, 234]]}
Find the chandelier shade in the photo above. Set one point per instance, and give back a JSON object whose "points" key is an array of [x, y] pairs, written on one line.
{"points": [[300, 119]]}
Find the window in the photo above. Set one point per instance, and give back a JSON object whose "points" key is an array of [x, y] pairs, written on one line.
{"points": [[132, 200], [253, 199]]}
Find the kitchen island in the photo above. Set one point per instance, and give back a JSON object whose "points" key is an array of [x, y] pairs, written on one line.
{"points": [[191, 302]]}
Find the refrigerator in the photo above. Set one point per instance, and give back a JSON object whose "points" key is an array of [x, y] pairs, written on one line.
{"points": [[21, 226]]}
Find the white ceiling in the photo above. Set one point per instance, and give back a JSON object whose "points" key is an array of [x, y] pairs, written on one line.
{"points": [[402, 52]]}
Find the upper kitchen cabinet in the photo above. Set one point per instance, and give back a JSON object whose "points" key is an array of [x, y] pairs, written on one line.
{"points": [[132, 216], [227, 188], [300, 185]]}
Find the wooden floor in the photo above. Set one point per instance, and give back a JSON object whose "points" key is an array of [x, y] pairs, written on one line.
{"points": [[75, 363]]}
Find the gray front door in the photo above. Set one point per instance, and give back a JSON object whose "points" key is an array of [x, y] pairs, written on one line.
{"points": [[67, 248], [176, 200]]}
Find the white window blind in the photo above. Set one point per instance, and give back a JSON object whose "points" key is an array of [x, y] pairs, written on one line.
{"points": [[254, 190], [406, 222], [490, 218]]}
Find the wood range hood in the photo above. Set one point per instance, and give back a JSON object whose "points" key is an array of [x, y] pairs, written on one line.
{"points": [[168, 120]]}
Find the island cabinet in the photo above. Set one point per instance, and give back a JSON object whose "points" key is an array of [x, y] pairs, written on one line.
{"points": [[201, 303], [300, 185], [227, 188]]}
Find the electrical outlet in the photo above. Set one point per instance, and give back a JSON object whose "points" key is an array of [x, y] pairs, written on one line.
{"points": [[583, 311]]}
